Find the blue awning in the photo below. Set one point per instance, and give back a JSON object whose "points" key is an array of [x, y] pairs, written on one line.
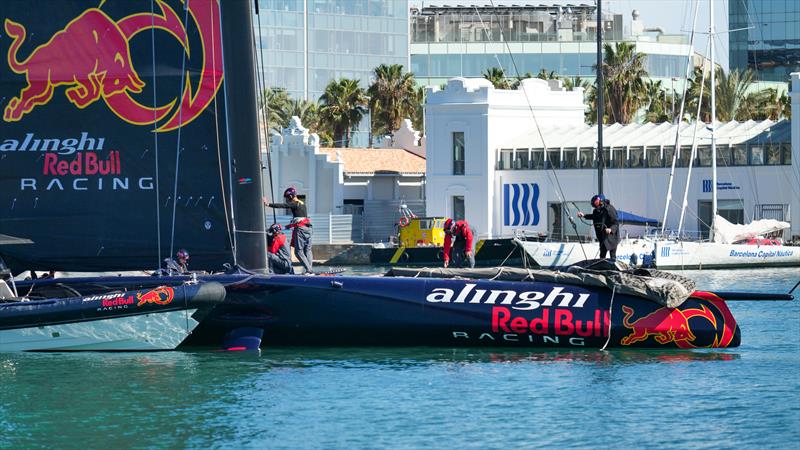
{"points": [[627, 218]]}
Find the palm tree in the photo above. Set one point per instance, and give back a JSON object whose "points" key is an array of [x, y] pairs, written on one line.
{"points": [[343, 105], [391, 98], [658, 109], [543, 75], [624, 75], [418, 118], [277, 102], [498, 78], [731, 92]]}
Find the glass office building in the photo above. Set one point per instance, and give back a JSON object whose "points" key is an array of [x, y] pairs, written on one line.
{"points": [[771, 45], [452, 41], [308, 43]]}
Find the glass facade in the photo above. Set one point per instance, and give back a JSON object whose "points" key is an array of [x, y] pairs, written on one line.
{"points": [[456, 41], [308, 43], [772, 46], [775, 153], [566, 64]]}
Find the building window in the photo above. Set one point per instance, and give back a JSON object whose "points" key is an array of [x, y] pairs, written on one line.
{"points": [[570, 158], [740, 155], [773, 154], [521, 160], [756, 155], [787, 154], [506, 159], [654, 157], [553, 158], [458, 207], [587, 158], [637, 157], [537, 159], [620, 159], [458, 153]]}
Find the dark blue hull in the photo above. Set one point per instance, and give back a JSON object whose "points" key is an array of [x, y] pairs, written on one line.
{"points": [[345, 310], [152, 318]]}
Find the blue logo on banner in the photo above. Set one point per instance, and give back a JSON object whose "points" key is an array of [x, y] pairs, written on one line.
{"points": [[721, 186], [665, 252], [519, 204]]}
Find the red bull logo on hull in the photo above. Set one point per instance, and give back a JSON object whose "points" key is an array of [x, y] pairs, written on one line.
{"points": [[672, 326], [91, 57]]}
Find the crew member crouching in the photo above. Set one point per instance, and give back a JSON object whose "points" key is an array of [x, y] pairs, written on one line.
{"points": [[460, 251], [300, 226], [279, 256]]}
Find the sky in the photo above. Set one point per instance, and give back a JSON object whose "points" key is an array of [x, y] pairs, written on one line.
{"points": [[674, 16]]}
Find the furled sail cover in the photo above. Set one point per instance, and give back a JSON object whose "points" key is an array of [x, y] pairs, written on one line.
{"points": [[729, 233], [104, 106]]}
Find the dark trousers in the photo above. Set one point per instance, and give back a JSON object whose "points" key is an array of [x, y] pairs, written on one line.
{"points": [[301, 241], [458, 255], [604, 250], [279, 264]]}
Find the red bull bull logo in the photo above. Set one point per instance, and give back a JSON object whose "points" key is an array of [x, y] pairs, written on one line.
{"points": [[91, 57], [161, 295], [671, 325]]}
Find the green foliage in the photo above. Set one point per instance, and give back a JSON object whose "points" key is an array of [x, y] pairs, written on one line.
{"points": [[342, 106], [392, 98]]}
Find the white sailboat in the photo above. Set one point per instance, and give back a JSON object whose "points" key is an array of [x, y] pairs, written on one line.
{"points": [[729, 245]]}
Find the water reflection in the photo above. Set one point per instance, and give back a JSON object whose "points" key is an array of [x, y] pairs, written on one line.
{"points": [[420, 356]]}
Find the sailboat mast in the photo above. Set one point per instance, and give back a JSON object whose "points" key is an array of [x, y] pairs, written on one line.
{"points": [[713, 123], [600, 101], [240, 104]]}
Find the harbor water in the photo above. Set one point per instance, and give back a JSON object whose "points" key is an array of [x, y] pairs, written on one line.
{"points": [[423, 397]]}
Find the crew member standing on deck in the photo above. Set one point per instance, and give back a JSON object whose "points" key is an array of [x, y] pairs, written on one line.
{"points": [[300, 226], [279, 256], [606, 228], [459, 251]]}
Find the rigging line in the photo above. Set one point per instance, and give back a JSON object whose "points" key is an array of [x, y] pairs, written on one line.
{"points": [[265, 110], [155, 129], [216, 132], [560, 191], [689, 68], [693, 153], [178, 143], [228, 141]]}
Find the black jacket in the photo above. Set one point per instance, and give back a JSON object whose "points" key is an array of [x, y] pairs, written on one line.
{"points": [[298, 208], [605, 217]]}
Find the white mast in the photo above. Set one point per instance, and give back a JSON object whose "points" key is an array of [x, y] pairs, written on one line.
{"points": [[713, 124], [680, 119]]}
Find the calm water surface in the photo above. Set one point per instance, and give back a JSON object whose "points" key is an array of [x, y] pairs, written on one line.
{"points": [[423, 397]]}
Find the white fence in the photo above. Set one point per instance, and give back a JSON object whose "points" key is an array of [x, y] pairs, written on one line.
{"points": [[328, 228]]}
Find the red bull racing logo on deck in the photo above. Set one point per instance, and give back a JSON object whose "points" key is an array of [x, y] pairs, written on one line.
{"points": [[91, 57], [161, 295], [672, 326]]}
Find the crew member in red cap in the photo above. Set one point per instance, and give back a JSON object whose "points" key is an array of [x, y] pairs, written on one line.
{"points": [[300, 226], [606, 228], [279, 256], [459, 251]]}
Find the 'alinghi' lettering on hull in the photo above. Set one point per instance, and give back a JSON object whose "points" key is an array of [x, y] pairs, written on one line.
{"points": [[526, 300], [65, 146]]}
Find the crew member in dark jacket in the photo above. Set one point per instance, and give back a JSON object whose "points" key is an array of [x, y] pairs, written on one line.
{"points": [[458, 244], [279, 256], [300, 226], [604, 220]]}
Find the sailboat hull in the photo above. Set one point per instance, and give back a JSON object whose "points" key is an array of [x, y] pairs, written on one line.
{"points": [[553, 255], [403, 311], [710, 255], [155, 317]]}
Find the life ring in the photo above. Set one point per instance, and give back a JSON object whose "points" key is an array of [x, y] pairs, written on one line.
{"points": [[404, 221]]}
